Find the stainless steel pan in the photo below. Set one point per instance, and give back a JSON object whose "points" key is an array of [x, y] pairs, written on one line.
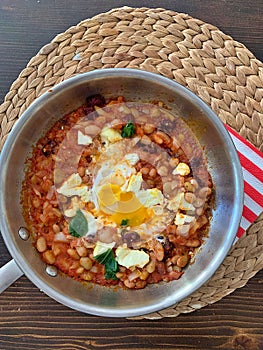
{"points": [[223, 165]]}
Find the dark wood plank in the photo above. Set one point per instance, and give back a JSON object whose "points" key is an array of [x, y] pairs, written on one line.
{"points": [[28, 318]]}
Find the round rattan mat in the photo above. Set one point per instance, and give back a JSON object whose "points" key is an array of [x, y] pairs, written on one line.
{"points": [[198, 55]]}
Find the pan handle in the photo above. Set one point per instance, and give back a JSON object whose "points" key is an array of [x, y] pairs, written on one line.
{"points": [[9, 273]]}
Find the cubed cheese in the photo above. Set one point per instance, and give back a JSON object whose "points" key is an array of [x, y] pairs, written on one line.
{"points": [[132, 158], [134, 183], [101, 247], [150, 197], [75, 205], [184, 205], [68, 186], [84, 139], [73, 181], [131, 258], [179, 202], [73, 187], [110, 135], [181, 219], [86, 196], [93, 225], [81, 191], [181, 169]]}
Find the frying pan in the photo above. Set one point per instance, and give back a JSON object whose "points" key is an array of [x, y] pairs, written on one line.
{"points": [[223, 165]]}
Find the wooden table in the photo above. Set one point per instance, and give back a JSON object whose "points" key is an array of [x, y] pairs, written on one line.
{"points": [[31, 320]]}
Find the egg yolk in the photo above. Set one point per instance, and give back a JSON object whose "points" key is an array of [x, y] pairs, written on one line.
{"points": [[121, 206]]}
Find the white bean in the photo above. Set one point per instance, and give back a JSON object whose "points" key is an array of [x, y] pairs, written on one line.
{"points": [[82, 251], [73, 254], [86, 263], [163, 171], [49, 257], [92, 130], [41, 244]]}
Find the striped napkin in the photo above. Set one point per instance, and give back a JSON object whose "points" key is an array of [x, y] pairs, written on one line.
{"points": [[251, 160]]}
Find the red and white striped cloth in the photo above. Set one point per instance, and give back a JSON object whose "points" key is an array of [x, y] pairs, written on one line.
{"points": [[251, 160]]}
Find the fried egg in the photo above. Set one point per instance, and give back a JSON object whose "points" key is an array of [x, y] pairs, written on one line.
{"points": [[117, 193], [120, 196]]}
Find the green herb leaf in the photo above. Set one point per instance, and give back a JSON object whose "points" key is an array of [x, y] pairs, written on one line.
{"points": [[124, 222], [103, 258], [110, 275], [111, 267], [128, 130], [78, 226]]}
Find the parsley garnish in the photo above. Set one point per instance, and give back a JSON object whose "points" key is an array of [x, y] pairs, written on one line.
{"points": [[124, 222], [78, 226], [111, 267], [128, 130]]}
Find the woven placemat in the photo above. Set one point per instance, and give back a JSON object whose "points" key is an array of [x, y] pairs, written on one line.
{"points": [[198, 55]]}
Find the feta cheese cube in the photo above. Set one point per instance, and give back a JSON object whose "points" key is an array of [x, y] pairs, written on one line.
{"points": [[69, 185], [73, 187], [179, 202], [181, 169], [75, 205], [101, 247], [150, 197], [110, 135], [132, 158], [181, 219], [184, 205], [175, 202], [129, 257], [93, 224], [84, 139], [134, 183]]}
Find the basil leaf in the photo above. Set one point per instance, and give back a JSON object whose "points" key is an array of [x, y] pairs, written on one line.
{"points": [[124, 222], [103, 258], [110, 275], [111, 263], [128, 130], [111, 267], [78, 226], [74, 234]]}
